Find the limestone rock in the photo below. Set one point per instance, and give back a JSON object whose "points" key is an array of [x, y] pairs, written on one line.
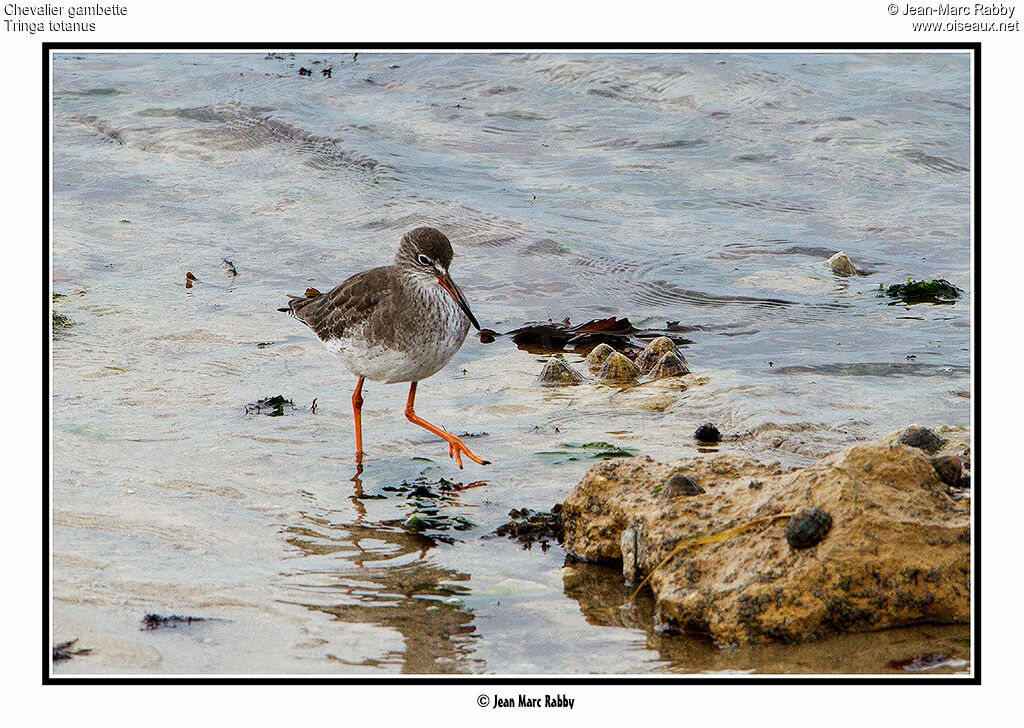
{"points": [[897, 553]]}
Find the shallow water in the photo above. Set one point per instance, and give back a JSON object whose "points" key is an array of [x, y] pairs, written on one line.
{"points": [[707, 189]]}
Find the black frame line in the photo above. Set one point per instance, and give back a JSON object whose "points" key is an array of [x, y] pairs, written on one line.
{"points": [[48, 678]]}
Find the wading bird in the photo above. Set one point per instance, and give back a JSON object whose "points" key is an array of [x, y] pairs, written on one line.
{"points": [[398, 323]]}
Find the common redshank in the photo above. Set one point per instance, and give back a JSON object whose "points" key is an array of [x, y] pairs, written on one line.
{"points": [[398, 323]]}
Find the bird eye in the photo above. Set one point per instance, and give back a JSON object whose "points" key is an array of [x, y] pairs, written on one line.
{"points": [[424, 260]]}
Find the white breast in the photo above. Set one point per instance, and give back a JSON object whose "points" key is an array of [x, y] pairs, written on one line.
{"points": [[429, 336]]}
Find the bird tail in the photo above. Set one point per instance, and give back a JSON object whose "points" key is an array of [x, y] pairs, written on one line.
{"points": [[296, 303]]}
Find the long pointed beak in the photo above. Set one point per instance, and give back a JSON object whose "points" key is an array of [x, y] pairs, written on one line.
{"points": [[448, 284]]}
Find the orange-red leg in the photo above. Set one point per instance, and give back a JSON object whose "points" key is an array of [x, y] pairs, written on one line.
{"points": [[456, 447], [357, 408]]}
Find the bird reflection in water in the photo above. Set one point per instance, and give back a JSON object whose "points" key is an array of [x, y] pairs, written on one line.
{"points": [[377, 573]]}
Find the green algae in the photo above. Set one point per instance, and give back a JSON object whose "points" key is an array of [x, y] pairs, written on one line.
{"points": [[938, 291]]}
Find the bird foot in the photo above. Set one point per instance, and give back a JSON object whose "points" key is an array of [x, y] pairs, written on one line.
{"points": [[457, 448]]}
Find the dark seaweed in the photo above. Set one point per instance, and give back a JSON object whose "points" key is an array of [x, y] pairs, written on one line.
{"points": [[529, 527], [60, 321], [270, 406], [155, 621], [549, 337], [430, 501], [573, 452], [937, 291], [64, 651]]}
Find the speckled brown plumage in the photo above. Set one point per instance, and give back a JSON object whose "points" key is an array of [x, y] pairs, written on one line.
{"points": [[397, 323], [351, 304]]}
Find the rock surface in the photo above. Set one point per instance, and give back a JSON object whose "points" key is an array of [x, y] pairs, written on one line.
{"points": [[897, 551]]}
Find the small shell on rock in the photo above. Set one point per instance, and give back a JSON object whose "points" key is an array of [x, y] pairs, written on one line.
{"points": [[922, 438], [679, 484], [658, 347], [949, 469], [557, 373], [618, 368], [671, 364], [807, 527], [597, 357], [841, 264], [707, 433]]}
